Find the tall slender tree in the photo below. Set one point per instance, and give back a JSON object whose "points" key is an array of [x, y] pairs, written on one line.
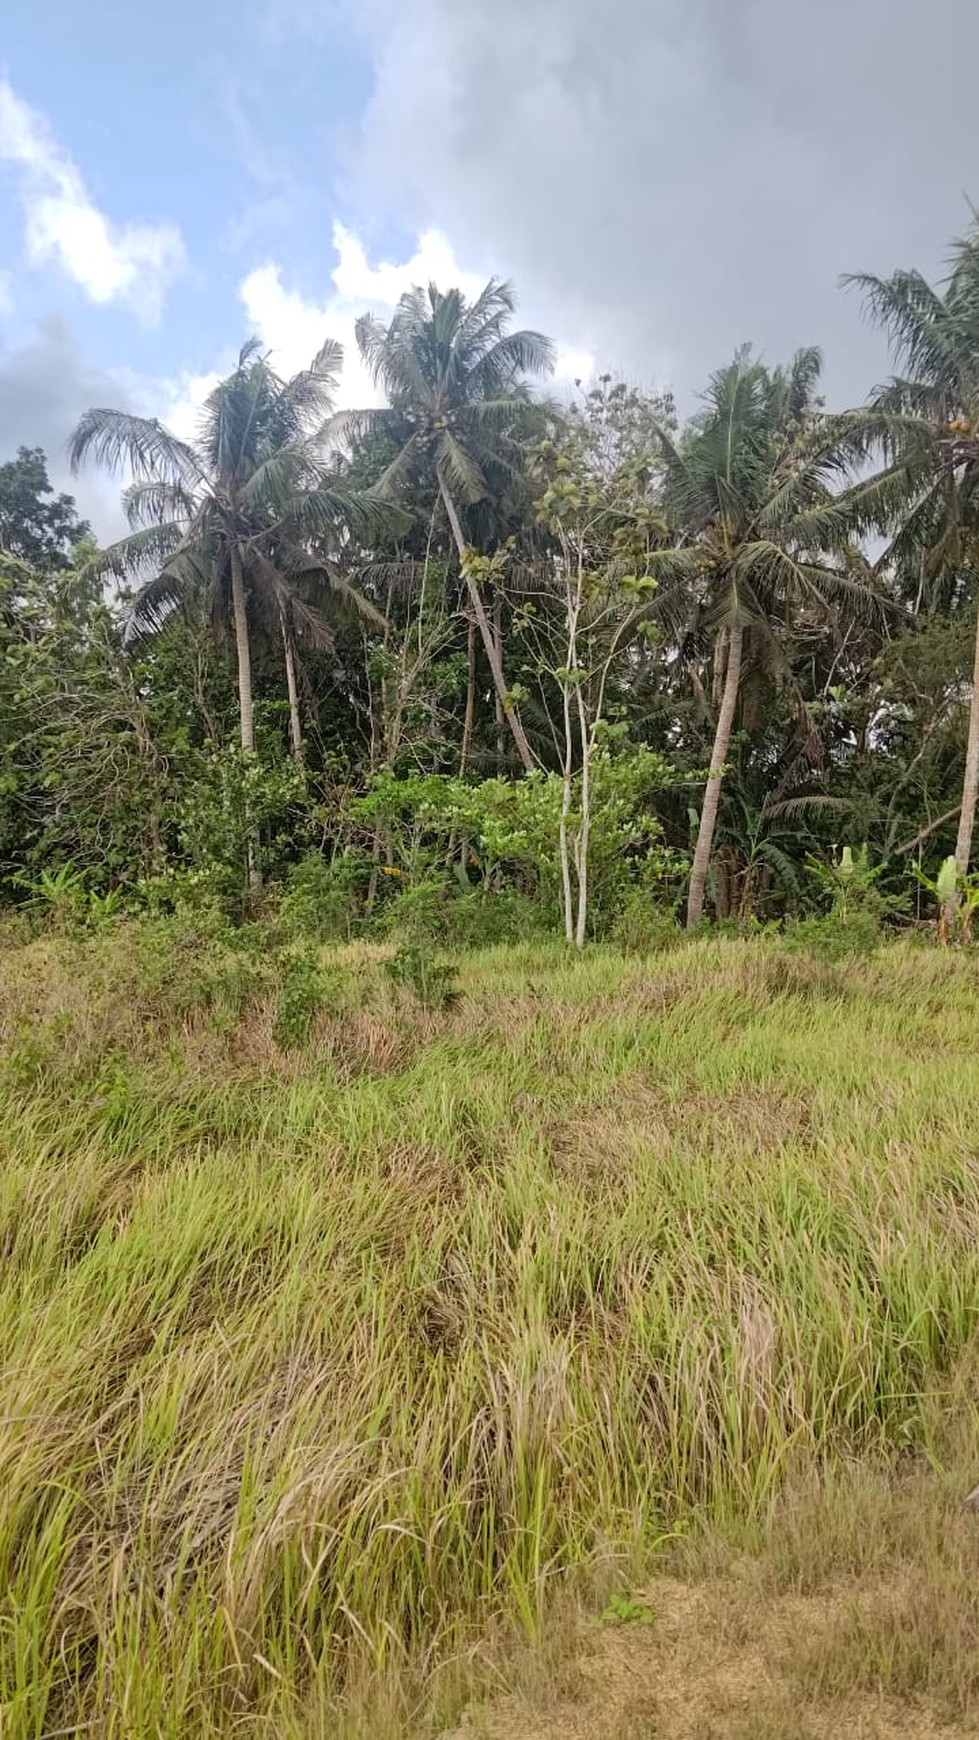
{"points": [[751, 491], [924, 423], [246, 514], [459, 407]]}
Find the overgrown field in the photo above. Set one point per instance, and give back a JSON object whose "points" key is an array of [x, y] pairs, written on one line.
{"points": [[330, 1370]]}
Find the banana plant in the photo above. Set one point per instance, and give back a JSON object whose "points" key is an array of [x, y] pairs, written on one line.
{"points": [[950, 882], [849, 880]]}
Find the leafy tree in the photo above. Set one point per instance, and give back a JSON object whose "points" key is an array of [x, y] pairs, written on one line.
{"points": [[749, 492], [84, 750], [924, 422], [455, 378], [603, 525], [36, 525]]}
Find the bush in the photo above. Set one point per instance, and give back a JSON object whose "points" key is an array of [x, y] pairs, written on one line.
{"points": [[485, 917], [418, 909], [321, 901], [642, 928], [304, 990], [836, 937], [195, 959]]}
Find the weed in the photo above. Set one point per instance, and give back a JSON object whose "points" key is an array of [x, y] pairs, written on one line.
{"points": [[625, 1610]]}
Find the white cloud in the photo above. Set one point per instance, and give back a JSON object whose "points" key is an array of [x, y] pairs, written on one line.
{"points": [[6, 292], [183, 399], [294, 326], [132, 264], [662, 177]]}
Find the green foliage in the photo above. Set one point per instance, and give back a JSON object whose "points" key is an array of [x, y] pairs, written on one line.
{"points": [[37, 526], [366, 622], [415, 967], [236, 800], [321, 903], [305, 989], [625, 1610], [643, 928], [954, 894], [836, 936], [508, 833], [56, 894], [850, 882], [193, 960], [857, 907]]}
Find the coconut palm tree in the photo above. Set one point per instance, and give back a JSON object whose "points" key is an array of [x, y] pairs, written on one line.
{"points": [[759, 529], [246, 515], [924, 424], [459, 408]]}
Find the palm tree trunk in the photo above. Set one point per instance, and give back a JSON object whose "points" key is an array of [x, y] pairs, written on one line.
{"points": [[245, 703], [467, 722], [489, 642], [496, 626], [712, 795], [295, 718], [970, 786], [246, 709]]}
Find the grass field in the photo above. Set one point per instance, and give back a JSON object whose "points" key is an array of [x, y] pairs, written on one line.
{"points": [[341, 1386]]}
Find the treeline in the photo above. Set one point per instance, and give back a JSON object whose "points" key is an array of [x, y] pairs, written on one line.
{"points": [[487, 663]]}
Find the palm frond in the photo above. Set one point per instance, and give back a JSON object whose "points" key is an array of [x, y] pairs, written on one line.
{"points": [[154, 502], [184, 578], [140, 445], [460, 472], [129, 559]]}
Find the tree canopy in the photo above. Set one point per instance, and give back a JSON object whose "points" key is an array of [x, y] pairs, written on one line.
{"points": [[561, 660]]}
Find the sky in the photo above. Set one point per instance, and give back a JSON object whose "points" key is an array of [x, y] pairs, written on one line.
{"points": [[662, 180]]}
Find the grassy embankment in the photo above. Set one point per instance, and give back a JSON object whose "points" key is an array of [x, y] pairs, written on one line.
{"points": [[328, 1374]]}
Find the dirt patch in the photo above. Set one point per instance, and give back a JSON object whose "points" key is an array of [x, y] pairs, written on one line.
{"points": [[703, 1663]]}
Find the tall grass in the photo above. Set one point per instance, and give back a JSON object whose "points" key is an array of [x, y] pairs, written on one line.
{"points": [[316, 1365]]}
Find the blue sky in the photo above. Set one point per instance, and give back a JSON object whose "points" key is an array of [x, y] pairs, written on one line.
{"points": [[663, 180], [208, 116], [169, 184]]}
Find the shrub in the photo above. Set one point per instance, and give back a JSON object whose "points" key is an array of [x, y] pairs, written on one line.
{"points": [[415, 967], [642, 928], [321, 901], [303, 992], [835, 937]]}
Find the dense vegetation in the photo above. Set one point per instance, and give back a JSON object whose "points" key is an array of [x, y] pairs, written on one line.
{"points": [[482, 663], [377, 1273]]}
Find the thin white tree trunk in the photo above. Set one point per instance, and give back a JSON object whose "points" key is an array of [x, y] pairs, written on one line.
{"points": [[585, 829], [566, 792], [970, 786], [470, 713], [295, 717], [492, 652], [246, 711], [712, 794]]}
